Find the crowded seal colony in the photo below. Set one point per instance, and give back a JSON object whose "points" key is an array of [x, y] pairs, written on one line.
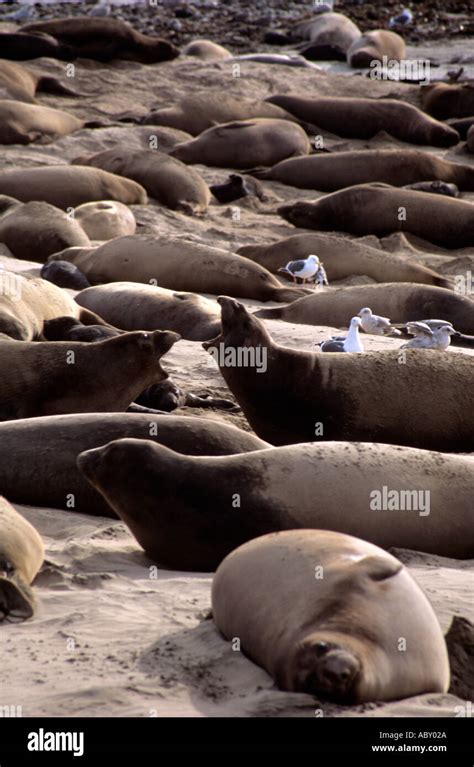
{"points": [[236, 366]]}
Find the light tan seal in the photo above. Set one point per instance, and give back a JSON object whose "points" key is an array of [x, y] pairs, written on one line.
{"points": [[35, 230], [300, 389], [21, 556], [330, 172], [342, 258], [206, 50], [71, 377], [105, 220], [22, 84], [189, 512], [177, 264], [338, 636], [375, 46], [24, 123], [38, 455], [364, 118], [381, 210], [402, 302], [68, 186], [444, 101], [165, 178], [131, 306], [330, 35], [245, 144]]}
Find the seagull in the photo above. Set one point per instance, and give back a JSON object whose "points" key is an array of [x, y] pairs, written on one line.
{"points": [[403, 18], [102, 8], [438, 337], [23, 14], [321, 278], [349, 343], [305, 268], [377, 326]]}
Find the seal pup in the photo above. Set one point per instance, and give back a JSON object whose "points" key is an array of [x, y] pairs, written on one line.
{"points": [[435, 187], [330, 390], [38, 455], [64, 275], [376, 45], [21, 556], [340, 635], [189, 512], [350, 343], [71, 329], [167, 396], [237, 187], [206, 50]]}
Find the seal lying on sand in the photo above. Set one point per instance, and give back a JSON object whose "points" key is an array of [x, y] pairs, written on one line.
{"points": [[190, 512], [326, 395], [20, 83], [336, 636], [21, 556], [375, 46], [444, 101], [24, 123], [330, 35]]}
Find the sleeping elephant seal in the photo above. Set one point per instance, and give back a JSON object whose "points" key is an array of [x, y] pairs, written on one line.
{"points": [[189, 512], [38, 455], [342, 258], [375, 209], [402, 302], [470, 139], [179, 265], [336, 636], [20, 83], [337, 170], [67, 186], [131, 306], [165, 178], [64, 275], [21, 556], [375, 46], [35, 230], [364, 118], [20, 46], [206, 50], [330, 35], [70, 329], [104, 39], [296, 390], [245, 144], [69, 377], [444, 101], [24, 123], [105, 219]]}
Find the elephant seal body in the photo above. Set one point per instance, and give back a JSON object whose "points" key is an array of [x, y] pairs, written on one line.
{"points": [[20, 46], [444, 101], [245, 144], [53, 378], [372, 209], [164, 177], [331, 390], [64, 275], [24, 123], [182, 509], [364, 118], [104, 39], [336, 636], [206, 50], [21, 556], [70, 329], [330, 35], [470, 139], [402, 302], [38, 455], [178, 265], [20, 83], [35, 230], [105, 220], [131, 306], [330, 172], [342, 258], [375, 46], [68, 186]]}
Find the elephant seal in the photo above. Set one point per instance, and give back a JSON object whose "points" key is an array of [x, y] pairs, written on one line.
{"points": [[165, 178], [38, 455], [245, 144], [331, 390], [330, 35], [199, 111], [354, 655], [35, 230], [376, 209], [206, 50], [68, 377], [444, 101], [104, 39], [398, 167], [462, 126], [470, 139], [364, 118], [180, 265], [68, 186], [70, 329], [26, 303], [21, 556], [64, 275], [20, 83], [24, 123], [19, 46], [342, 258], [131, 306], [189, 512], [167, 396], [402, 302], [377, 45], [106, 219], [237, 187], [435, 187]]}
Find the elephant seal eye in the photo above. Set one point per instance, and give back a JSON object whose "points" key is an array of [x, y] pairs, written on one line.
{"points": [[321, 648]]}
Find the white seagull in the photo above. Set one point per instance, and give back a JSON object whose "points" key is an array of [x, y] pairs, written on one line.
{"points": [[375, 325], [349, 343], [305, 268], [426, 337]]}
